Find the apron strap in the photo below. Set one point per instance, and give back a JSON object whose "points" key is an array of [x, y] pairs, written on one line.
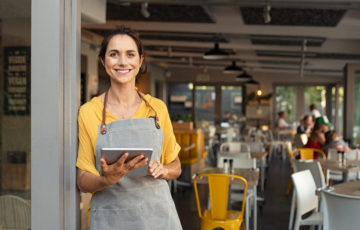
{"points": [[103, 124]]}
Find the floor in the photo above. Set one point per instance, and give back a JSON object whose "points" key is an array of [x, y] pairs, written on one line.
{"points": [[273, 213]]}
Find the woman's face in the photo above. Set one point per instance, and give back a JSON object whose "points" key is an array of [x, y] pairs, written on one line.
{"points": [[122, 61]]}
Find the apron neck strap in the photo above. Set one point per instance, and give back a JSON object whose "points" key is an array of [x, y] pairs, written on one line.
{"points": [[103, 124]]}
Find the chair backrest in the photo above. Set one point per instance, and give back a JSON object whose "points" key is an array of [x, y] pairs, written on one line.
{"points": [[332, 154], [219, 194], [241, 160], [256, 146], [305, 191], [300, 140], [315, 169], [235, 147], [351, 154], [342, 211], [15, 213], [308, 153]]}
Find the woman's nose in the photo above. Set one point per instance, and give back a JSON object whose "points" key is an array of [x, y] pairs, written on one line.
{"points": [[122, 60]]}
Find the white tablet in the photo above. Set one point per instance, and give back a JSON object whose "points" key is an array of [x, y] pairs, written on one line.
{"points": [[111, 155]]}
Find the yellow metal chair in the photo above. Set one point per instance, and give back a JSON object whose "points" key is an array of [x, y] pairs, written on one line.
{"points": [[219, 215], [308, 153], [288, 147]]}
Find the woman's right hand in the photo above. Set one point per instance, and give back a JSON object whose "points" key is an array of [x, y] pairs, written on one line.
{"points": [[114, 172]]}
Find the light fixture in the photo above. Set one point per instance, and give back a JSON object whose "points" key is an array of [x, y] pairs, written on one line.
{"points": [[233, 68], [144, 10], [251, 82], [215, 53], [244, 76], [259, 92], [266, 14]]}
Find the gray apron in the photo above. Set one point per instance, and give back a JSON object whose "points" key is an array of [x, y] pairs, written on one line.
{"points": [[133, 203]]}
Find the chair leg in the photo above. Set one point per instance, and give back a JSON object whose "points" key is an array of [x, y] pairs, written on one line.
{"points": [[292, 210], [297, 222], [247, 212], [289, 186]]}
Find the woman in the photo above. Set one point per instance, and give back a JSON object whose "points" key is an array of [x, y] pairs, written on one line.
{"points": [[124, 117], [317, 137]]}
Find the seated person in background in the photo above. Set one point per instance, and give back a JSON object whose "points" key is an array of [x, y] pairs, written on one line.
{"points": [[317, 137], [306, 125], [334, 141], [314, 112], [281, 123]]}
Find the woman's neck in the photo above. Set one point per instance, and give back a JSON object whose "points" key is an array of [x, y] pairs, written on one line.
{"points": [[122, 95]]}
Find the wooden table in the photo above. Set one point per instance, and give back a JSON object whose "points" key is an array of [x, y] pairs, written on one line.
{"points": [[333, 165], [252, 178]]}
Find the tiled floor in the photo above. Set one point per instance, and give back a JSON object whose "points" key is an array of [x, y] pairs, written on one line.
{"points": [[273, 214]]}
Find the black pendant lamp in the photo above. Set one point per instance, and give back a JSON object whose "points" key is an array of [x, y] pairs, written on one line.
{"points": [[216, 53], [233, 68], [251, 82], [243, 77]]}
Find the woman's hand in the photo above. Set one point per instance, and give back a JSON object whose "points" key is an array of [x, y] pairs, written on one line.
{"points": [[114, 172], [157, 170]]}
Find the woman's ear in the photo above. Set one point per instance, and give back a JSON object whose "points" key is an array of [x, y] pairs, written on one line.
{"points": [[102, 61]]}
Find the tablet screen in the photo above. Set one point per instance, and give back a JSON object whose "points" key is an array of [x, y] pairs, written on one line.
{"points": [[111, 155]]}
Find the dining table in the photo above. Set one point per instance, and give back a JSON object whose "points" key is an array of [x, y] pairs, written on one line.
{"points": [[252, 178], [260, 163], [350, 188], [351, 166]]}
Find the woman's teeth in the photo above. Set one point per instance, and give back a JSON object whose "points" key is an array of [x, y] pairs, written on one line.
{"points": [[123, 71]]}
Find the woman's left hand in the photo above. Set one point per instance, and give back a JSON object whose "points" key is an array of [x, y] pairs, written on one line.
{"points": [[157, 170]]}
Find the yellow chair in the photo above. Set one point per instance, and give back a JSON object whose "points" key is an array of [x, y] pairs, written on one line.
{"points": [[308, 153], [219, 215], [288, 147]]}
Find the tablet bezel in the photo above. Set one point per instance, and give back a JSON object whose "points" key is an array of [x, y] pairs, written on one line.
{"points": [[111, 155]]}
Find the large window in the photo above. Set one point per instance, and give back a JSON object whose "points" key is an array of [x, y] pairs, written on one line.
{"points": [[15, 41], [286, 101], [315, 95], [231, 100], [205, 104]]}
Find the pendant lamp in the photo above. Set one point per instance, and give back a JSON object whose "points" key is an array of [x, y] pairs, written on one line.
{"points": [[233, 68], [244, 76], [215, 53], [251, 82]]}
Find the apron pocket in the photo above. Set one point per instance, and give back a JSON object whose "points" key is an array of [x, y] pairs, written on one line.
{"points": [[110, 219]]}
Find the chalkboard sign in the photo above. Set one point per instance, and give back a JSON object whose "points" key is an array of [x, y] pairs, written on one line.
{"points": [[17, 80]]}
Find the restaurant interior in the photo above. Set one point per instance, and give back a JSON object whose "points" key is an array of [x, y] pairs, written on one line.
{"points": [[240, 79]]}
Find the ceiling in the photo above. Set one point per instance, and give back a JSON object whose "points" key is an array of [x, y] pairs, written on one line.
{"points": [[178, 33]]}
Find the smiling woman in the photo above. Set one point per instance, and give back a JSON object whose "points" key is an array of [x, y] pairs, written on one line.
{"points": [[121, 201]]}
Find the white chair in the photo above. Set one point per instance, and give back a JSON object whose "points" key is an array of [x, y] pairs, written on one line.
{"points": [[15, 213], [235, 147], [318, 176], [307, 201], [342, 211]]}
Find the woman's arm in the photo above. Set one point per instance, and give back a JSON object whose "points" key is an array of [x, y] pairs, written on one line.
{"points": [[88, 182], [169, 172]]}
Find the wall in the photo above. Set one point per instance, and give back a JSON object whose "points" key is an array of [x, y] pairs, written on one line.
{"points": [[91, 50]]}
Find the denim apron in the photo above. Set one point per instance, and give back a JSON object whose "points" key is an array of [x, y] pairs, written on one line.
{"points": [[133, 203]]}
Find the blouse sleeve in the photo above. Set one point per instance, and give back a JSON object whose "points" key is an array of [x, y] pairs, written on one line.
{"points": [[170, 147], [86, 155]]}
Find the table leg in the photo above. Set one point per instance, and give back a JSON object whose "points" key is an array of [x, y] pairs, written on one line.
{"points": [[255, 208], [345, 176]]}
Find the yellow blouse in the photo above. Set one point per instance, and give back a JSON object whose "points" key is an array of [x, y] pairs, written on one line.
{"points": [[90, 116]]}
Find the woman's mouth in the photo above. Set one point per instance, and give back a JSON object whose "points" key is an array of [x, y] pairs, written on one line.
{"points": [[123, 71]]}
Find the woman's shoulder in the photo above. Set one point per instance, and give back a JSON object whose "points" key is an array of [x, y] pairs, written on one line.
{"points": [[91, 107], [155, 102]]}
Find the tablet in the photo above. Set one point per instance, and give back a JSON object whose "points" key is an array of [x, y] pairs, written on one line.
{"points": [[111, 155]]}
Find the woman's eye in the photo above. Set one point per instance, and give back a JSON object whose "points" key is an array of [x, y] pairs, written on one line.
{"points": [[131, 55], [112, 54]]}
